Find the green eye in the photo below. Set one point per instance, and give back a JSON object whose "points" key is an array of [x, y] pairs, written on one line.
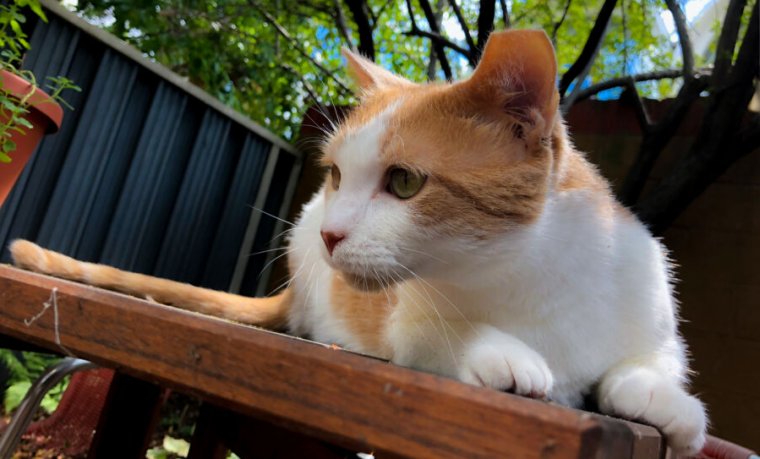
{"points": [[404, 183], [335, 174]]}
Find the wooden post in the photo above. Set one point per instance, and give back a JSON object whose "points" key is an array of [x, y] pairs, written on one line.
{"points": [[128, 419]]}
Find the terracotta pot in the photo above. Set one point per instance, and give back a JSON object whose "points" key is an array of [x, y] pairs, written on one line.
{"points": [[45, 115]]}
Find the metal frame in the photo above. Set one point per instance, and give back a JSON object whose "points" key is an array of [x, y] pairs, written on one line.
{"points": [[262, 288], [255, 219], [25, 412]]}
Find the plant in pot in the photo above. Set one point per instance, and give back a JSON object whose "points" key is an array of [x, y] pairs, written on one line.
{"points": [[27, 113]]}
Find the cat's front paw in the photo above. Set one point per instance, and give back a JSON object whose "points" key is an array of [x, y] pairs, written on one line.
{"points": [[503, 362], [642, 394]]}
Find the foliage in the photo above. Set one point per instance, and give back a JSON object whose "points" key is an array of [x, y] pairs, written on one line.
{"points": [[170, 447], [232, 50], [13, 43], [24, 369], [269, 59]]}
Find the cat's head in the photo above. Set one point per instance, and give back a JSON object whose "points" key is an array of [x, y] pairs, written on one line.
{"points": [[421, 174]]}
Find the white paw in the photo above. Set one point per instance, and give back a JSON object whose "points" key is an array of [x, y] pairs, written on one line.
{"points": [[641, 394], [505, 363]]}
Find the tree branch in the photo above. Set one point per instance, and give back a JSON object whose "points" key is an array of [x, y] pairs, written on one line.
{"points": [[415, 32], [486, 15], [284, 33], [623, 81], [655, 139], [463, 25], [376, 15], [724, 52], [718, 144], [309, 89], [505, 13], [591, 48], [687, 53], [558, 24], [747, 65], [340, 20], [632, 94], [433, 62], [359, 11], [438, 46]]}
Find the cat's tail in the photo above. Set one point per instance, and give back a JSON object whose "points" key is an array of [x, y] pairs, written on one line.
{"points": [[266, 312]]}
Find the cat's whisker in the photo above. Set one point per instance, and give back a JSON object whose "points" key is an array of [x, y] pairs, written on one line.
{"points": [[272, 215], [309, 283], [432, 302], [281, 234], [442, 331], [321, 108], [294, 276], [386, 286], [456, 309], [425, 254], [323, 130], [443, 322], [272, 261], [398, 278], [383, 286], [266, 251]]}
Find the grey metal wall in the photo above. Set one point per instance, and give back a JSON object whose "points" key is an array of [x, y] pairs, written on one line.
{"points": [[147, 173]]}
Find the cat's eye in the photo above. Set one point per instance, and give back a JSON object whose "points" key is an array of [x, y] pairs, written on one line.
{"points": [[404, 183], [335, 174]]}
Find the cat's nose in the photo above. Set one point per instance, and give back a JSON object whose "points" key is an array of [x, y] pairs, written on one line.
{"points": [[331, 240]]}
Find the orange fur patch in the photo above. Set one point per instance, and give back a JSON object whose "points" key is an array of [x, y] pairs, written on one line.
{"points": [[365, 313], [266, 312]]}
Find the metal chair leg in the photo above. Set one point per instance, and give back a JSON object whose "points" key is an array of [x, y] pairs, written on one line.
{"points": [[25, 412]]}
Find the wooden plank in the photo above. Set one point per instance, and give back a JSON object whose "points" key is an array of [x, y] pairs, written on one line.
{"points": [[355, 401]]}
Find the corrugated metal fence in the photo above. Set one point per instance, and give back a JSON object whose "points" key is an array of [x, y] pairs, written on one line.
{"points": [[148, 173]]}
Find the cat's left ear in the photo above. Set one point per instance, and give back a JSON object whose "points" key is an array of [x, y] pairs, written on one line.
{"points": [[369, 75], [517, 74]]}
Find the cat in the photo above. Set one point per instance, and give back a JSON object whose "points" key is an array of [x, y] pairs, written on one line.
{"points": [[459, 232]]}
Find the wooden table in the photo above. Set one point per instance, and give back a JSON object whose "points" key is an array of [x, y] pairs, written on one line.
{"points": [[297, 389]]}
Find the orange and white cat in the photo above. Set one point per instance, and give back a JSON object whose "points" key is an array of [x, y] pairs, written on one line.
{"points": [[460, 233]]}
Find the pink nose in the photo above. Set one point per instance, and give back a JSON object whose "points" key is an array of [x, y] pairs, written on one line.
{"points": [[331, 240]]}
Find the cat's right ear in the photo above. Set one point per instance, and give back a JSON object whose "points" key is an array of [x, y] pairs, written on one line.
{"points": [[517, 74], [368, 75]]}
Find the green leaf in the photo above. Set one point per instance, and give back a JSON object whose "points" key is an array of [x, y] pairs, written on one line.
{"points": [[4, 158], [35, 6], [9, 104], [49, 403], [24, 122], [177, 446], [9, 146], [17, 28], [157, 453], [14, 395]]}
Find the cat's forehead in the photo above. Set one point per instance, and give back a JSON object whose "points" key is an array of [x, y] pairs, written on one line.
{"points": [[360, 149], [428, 128], [361, 134]]}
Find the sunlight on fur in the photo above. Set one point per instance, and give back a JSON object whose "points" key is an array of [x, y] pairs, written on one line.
{"points": [[459, 232]]}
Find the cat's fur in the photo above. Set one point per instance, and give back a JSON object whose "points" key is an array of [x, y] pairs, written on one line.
{"points": [[512, 268]]}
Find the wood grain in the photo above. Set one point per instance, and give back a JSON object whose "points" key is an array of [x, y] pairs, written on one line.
{"points": [[351, 400]]}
